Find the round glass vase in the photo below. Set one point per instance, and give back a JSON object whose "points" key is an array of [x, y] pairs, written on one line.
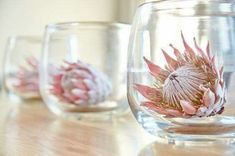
{"points": [[83, 72], [20, 68], [181, 70]]}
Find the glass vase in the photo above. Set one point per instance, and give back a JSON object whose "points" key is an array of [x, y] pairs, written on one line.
{"points": [[83, 72], [20, 68], [181, 70]]}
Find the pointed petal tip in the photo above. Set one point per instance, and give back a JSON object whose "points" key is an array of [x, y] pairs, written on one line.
{"points": [[171, 45], [163, 51], [194, 40], [149, 63], [172, 63], [145, 59], [154, 69], [195, 43], [208, 45], [219, 89], [176, 52], [209, 54], [137, 86], [188, 49], [181, 32], [182, 36]]}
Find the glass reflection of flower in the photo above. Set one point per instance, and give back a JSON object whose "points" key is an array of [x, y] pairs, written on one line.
{"points": [[80, 84], [28, 78]]}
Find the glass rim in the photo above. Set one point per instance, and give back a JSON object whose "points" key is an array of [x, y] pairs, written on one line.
{"points": [[170, 4], [197, 1], [64, 25]]}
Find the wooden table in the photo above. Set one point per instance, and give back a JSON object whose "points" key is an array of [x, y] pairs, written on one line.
{"points": [[30, 130]]}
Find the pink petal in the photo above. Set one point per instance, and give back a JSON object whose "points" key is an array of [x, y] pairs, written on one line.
{"points": [[69, 96], [148, 92], [57, 89], [200, 51], [188, 49], [208, 98], [176, 52], [201, 87], [90, 84], [33, 62], [152, 106], [187, 107], [214, 67], [64, 99], [208, 50], [80, 84], [80, 94], [218, 89], [217, 72], [57, 77], [154, 69], [172, 63], [83, 74], [221, 71]]}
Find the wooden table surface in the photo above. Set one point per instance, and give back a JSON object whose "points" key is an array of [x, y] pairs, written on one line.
{"points": [[31, 130]]}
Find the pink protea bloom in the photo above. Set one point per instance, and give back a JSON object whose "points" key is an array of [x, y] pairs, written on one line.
{"points": [[189, 86], [80, 84], [28, 78]]}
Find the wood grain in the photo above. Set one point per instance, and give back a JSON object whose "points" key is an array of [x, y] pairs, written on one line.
{"points": [[28, 129]]}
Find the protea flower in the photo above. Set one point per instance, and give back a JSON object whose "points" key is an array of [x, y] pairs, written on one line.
{"points": [[191, 85], [28, 78], [81, 84]]}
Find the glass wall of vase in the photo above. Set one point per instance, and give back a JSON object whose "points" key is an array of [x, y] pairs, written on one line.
{"points": [[181, 69], [83, 70], [20, 67]]}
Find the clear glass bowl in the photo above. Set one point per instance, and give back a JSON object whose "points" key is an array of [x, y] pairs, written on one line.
{"points": [[20, 68], [83, 72], [180, 87]]}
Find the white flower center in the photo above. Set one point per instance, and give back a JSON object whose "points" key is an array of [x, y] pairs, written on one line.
{"points": [[183, 84]]}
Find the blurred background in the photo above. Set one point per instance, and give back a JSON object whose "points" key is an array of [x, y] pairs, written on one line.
{"points": [[27, 17]]}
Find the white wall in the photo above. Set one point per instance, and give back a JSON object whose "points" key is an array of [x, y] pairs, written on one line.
{"points": [[127, 9], [28, 17]]}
